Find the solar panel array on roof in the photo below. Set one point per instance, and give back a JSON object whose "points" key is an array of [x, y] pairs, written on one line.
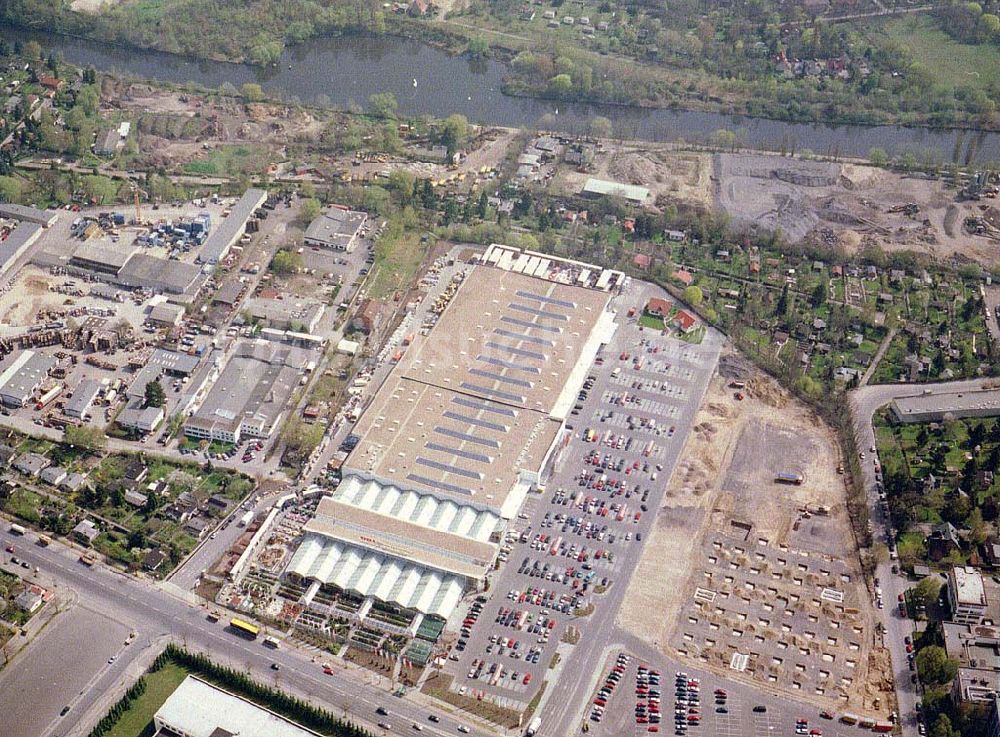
{"points": [[546, 300], [539, 313], [482, 373], [525, 337], [490, 392], [514, 351], [485, 406], [460, 452], [444, 485], [468, 437], [450, 468], [509, 364], [530, 325]]}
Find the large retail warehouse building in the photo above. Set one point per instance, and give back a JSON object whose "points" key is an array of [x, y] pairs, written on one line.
{"points": [[456, 436]]}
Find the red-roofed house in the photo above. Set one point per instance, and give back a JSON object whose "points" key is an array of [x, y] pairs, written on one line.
{"points": [[642, 261], [658, 307], [629, 225], [684, 277], [50, 83], [684, 321]]}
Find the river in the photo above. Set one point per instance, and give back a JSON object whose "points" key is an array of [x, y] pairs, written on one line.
{"points": [[344, 71]]}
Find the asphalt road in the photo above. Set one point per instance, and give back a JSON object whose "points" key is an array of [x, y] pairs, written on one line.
{"points": [[157, 616], [864, 403], [38, 684]]}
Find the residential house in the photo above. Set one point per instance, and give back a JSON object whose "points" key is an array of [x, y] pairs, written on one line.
{"points": [[29, 600], [196, 526], [684, 277], [154, 559], [658, 307], [366, 317], [684, 321], [641, 261], [73, 482], [942, 541], [135, 471], [135, 498], [31, 464], [86, 531], [53, 475]]}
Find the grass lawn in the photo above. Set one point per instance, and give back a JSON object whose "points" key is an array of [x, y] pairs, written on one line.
{"points": [[139, 717], [652, 322], [396, 261], [950, 62], [230, 160]]}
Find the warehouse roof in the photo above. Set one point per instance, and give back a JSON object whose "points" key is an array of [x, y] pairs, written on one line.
{"points": [[23, 235], [149, 272], [255, 384], [381, 576], [421, 436], [960, 404], [83, 396], [166, 313], [229, 293], [402, 538], [336, 227], [221, 239], [23, 372], [199, 709], [507, 337], [27, 214], [603, 187], [181, 363], [113, 259]]}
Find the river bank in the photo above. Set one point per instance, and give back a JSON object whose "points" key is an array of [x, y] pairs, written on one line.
{"points": [[344, 71]]}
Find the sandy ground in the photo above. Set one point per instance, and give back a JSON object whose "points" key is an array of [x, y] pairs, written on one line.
{"points": [[726, 475], [847, 205], [90, 6], [670, 175], [29, 297]]}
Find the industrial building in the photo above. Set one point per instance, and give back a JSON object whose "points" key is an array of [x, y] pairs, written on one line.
{"points": [[935, 406], [603, 188], [337, 228], [249, 396], [17, 242], [288, 313], [166, 314], [101, 259], [45, 218], [83, 398], [20, 376], [460, 430], [143, 271], [224, 237], [199, 709]]}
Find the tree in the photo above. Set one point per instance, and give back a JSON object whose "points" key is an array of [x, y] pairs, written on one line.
{"points": [[925, 592], [878, 157], [561, 85], [88, 438], [819, 293], [454, 132], [154, 396], [478, 47], [693, 295], [935, 667], [383, 105], [782, 307], [600, 127], [942, 727], [311, 209], [286, 262], [252, 92]]}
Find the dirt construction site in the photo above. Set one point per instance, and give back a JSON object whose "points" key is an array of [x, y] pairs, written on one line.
{"points": [[752, 577], [851, 206]]}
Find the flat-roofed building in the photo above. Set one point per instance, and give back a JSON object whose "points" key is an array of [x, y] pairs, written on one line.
{"points": [[83, 398], [603, 188], [166, 314], [248, 398], [102, 259], [935, 405], [336, 228], [17, 242], [21, 374], [144, 271], [224, 237], [27, 214], [199, 709], [966, 595], [287, 313], [458, 432]]}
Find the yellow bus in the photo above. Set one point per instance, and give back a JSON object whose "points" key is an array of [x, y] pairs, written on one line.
{"points": [[245, 628]]}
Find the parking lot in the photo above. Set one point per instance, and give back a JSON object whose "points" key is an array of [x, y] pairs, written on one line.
{"points": [[575, 543], [641, 697], [783, 617]]}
